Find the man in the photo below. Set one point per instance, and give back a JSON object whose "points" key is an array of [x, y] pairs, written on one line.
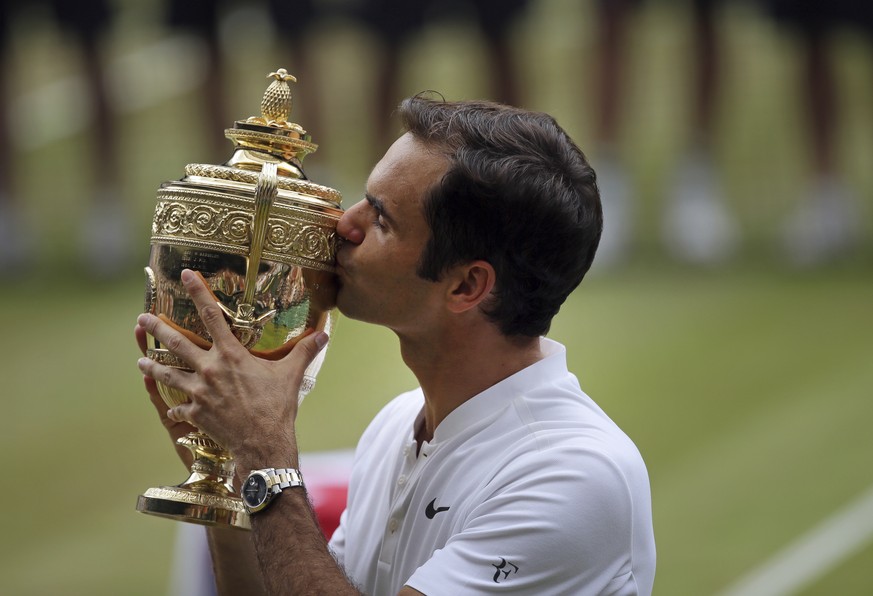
{"points": [[498, 474]]}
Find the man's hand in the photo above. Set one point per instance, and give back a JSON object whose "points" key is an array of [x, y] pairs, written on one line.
{"points": [[247, 404]]}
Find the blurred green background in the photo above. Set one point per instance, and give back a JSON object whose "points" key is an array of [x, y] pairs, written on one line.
{"points": [[747, 386]]}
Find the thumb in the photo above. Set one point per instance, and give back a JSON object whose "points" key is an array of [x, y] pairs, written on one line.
{"points": [[305, 352]]}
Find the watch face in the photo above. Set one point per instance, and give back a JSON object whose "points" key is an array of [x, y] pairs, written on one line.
{"points": [[254, 491]]}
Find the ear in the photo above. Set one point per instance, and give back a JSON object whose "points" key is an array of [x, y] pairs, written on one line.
{"points": [[471, 283]]}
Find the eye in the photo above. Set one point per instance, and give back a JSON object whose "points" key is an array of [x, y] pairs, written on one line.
{"points": [[377, 213]]}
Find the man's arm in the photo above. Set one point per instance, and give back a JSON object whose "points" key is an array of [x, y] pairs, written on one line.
{"points": [[234, 563], [249, 405], [292, 551]]}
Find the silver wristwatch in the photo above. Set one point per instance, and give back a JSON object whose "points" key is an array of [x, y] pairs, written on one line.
{"points": [[263, 485]]}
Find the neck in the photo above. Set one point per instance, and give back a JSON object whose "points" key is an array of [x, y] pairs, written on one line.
{"points": [[454, 365]]}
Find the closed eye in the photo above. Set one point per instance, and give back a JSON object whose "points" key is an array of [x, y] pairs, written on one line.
{"points": [[381, 219]]}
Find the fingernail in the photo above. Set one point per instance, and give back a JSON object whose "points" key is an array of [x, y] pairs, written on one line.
{"points": [[187, 276], [143, 319], [142, 363], [321, 339]]}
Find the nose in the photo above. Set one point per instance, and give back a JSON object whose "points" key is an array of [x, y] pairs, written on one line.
{"points": [[349, 226]]}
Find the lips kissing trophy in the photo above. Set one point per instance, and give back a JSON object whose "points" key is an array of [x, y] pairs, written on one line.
{"points": [[264, 238]]}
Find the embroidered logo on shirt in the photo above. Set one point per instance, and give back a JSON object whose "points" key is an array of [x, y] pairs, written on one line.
{"points": [[431, 511], [504, 569]]}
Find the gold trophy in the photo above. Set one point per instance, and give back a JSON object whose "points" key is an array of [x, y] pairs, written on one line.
{"points": [[264, 238]]}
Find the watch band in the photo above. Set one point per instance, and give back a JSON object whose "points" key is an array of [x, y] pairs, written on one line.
{"points": [[282, 478]]}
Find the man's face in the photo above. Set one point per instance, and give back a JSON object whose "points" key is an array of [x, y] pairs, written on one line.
{"points": [[384, 237]]}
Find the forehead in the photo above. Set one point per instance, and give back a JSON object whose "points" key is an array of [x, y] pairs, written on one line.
{"points": [[408, 169]]}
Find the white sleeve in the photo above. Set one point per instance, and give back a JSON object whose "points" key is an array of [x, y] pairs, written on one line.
{"points": [[337, 543], [541, 528]]}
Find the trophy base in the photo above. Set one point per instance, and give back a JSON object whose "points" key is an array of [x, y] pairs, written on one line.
{"points": [[186, 505]]}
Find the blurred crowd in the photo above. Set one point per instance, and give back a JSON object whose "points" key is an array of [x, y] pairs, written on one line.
{"points": [[698, 224]]}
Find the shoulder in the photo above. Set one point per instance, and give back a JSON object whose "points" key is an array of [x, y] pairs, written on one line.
{"points": [[553, 456], [556, 427], [566, 443], [579, 472]]}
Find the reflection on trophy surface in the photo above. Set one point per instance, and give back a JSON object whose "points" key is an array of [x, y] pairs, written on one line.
{"points": [[264, 239]]}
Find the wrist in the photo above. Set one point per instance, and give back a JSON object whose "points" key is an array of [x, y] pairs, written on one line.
{"points": [[280, 452]]}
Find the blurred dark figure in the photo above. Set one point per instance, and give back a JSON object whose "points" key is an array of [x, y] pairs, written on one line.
{"points": [[697, 225], [826, 223], [202, 18], [394, 22], [104, 232], [495, 19], [612, 177]]}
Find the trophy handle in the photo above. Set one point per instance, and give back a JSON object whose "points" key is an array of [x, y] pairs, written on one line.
{"points": [[246, 327], [265, 193]]}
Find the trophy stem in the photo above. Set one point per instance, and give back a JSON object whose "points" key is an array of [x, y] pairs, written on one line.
{"points": [[213, 467], [208, 496]]}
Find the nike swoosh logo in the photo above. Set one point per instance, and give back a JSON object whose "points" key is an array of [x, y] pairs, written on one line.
{"points": [[431, 511]]}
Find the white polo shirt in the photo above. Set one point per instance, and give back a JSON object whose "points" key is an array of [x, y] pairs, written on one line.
{"points": [[527, 488]]}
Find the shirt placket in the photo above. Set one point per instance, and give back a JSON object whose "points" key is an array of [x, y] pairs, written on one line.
{"points": [[402, 491]]}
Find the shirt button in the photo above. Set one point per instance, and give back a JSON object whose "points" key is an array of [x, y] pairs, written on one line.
{"points": [[402, 480], [392, 525]]}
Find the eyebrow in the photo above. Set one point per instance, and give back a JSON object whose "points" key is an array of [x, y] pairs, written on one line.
{"points": [[379, 206]]}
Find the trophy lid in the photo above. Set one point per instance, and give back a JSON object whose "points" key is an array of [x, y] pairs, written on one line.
{"points": [[259, 204], [272, 132], [269, 138]]}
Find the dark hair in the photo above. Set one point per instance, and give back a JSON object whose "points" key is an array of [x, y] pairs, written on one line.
{"points": [[519, 194]]}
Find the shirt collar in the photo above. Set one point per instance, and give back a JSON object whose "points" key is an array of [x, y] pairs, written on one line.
{"points": [[489, 403]]}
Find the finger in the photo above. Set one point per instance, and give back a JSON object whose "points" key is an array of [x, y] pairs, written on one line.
{"points": [[283, 350], [305, 352], [182, 414], [175, 429], [206, 303], [140, 334], [171, 339], [169, 376], [155, 397], [152, 387]]}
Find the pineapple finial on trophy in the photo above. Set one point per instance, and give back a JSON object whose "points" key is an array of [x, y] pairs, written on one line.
{"points": [[276, 105], [272, 132]]}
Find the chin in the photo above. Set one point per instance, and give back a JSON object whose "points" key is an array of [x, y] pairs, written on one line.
{"points": [[353, 309], [345, 303]]}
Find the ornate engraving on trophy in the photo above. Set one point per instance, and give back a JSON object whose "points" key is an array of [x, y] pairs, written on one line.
{"points": [[293, 235], [195, 498]]}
